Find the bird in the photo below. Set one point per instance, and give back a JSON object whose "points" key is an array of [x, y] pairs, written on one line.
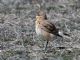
{"points": [[45, 28]]}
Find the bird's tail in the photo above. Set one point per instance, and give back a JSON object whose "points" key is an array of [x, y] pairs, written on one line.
{"points": [[61, 33]]}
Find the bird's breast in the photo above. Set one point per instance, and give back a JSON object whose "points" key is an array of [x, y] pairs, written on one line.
{"points": [[38, 30]]}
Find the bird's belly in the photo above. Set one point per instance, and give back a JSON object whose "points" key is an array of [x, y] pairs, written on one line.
{"points": [[38, 31], [45, 35]]}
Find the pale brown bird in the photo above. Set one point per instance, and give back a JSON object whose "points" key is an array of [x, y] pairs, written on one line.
{"points": [[45, 27]]}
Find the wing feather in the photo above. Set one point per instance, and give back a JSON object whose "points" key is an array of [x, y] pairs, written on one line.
{"points": [[49, 27]]}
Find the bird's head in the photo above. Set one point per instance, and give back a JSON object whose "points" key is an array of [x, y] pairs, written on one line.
{"points": [[39, 18], [41, 15]]}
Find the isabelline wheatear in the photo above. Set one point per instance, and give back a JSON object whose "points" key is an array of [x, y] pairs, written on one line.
{"points": [[45, 27]]}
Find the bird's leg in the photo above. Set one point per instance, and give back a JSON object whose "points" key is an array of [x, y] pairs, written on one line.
{"points": [[46, 45]]}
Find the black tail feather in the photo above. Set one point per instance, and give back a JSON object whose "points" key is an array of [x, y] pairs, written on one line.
{"points": [[59, 35]]}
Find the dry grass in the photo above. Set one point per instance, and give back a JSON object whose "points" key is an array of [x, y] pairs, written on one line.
{"points": [[18, 40]]}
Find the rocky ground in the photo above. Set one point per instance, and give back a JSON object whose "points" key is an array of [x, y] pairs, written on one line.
{"points": [[18, 40]]}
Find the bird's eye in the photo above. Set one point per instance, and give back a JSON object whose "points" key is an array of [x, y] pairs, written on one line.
{"points": [[40, 17], [39, 23]]}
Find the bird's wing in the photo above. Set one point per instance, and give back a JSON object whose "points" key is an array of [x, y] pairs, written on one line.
{"points": [[48, 26]]}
